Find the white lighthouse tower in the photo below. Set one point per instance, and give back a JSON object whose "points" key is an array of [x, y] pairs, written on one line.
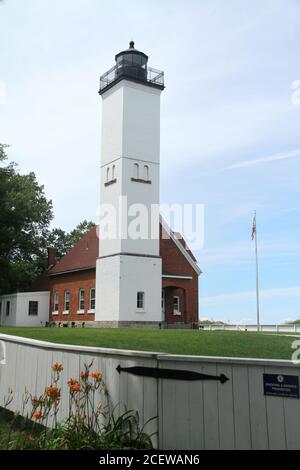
{"points": [[128, 270]]}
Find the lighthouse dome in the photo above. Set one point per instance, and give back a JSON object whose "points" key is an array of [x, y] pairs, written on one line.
{"points": [[132, 63]]}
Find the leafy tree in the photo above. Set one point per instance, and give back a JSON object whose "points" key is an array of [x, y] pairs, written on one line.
{"points": [[25, 215], [64, 241], [80, 230], [24, 219], [58, 239]]}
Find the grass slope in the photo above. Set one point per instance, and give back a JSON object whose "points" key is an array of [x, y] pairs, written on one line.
{"points": [[191, 342], [14, 431]]}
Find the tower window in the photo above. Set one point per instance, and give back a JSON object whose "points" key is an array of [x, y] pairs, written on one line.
{"points": [[141, 176], [136, 170], [146, 172], [81, 299], [67, 301], [110, 175], [140, 300]]}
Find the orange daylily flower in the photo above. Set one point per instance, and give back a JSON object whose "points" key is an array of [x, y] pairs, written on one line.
{"points": [[57, 367], [72, 382], [53, 392], [37, 415], [75, 388], [96, 375]]}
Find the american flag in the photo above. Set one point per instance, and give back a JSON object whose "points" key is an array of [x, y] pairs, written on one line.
{"points": [[253, 227]]}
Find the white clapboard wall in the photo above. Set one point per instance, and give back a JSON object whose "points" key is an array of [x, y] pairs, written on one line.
{"points": [[190, 414]]}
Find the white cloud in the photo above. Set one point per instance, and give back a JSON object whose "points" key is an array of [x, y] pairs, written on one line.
{"points": [[244, 251], [292, 209], [220, 128], [265, 294], [258, 161]]}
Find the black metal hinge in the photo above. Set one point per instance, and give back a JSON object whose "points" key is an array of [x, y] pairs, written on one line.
{"points": [[174, 374]]}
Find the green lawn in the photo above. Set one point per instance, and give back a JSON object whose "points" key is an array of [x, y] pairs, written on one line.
{"points": [[194, 342]]}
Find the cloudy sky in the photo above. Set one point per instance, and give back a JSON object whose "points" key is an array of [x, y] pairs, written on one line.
{"points": [[229, 133]]}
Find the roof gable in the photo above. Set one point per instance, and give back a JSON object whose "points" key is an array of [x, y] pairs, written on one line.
{"points": [[84, 254], [181, 245]]}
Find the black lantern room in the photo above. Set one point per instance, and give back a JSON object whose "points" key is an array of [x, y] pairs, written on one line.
{"points": [[132, 65]]}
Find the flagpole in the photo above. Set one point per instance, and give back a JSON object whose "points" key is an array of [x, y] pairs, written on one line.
{"points": [[257, 283]]}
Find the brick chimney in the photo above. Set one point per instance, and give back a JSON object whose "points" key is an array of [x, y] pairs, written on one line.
{"points": [[52, 252]]}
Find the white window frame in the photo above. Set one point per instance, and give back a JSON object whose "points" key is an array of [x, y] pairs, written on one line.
{"points": [[55, 302], [81, 299], [140, 309], [176, 312], [113, 172], [66, 311], [107, 174], [92, 310]]}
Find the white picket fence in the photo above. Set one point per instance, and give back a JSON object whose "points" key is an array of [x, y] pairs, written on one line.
{"points": [[202, 414], [262, 328]]}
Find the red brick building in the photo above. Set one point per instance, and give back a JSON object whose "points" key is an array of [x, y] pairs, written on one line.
{"points": [[71, 281]]}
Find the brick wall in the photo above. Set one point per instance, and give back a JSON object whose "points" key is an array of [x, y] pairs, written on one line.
{"points": [[173, 261], [72, 282], [187, 290]]}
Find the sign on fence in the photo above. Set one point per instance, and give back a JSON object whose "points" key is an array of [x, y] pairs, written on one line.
{"points": [[281, 385]]}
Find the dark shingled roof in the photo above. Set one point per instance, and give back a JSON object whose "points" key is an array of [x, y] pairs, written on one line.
{"points": [[82, 256]]}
